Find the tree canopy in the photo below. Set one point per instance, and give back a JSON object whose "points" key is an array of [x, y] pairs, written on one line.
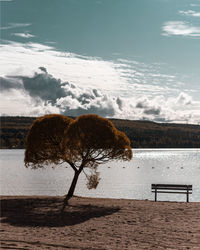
{"points": [[92, 139], [43, 140], [85, 142]]}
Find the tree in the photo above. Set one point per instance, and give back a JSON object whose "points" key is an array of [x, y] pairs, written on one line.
{"points": [[85, 142]]}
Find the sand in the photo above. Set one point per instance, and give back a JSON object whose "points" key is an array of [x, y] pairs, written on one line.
{"points": [[88, 223]]}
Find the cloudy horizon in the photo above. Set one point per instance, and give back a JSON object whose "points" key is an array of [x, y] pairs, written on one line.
{"points": [[130, 60]]}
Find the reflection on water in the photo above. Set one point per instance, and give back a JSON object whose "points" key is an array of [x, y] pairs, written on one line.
{"points": [[130, 180]]}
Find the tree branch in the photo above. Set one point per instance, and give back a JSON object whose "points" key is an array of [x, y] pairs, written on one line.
{"points": [[72, 165]]}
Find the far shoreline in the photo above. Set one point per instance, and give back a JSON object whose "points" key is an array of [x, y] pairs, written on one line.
{"points": [[142, 134]]}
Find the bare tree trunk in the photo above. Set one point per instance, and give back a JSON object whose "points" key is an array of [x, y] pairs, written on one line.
{"points": [[71, 189]]}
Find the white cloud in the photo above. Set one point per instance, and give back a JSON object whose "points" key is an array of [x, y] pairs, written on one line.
{"points": [[190, 13], [18, 102], [15, 25], [49, 42], [77, 84], [123, 77], [180, 28], [23, 35], [194, 5], [42, 94], [184, 99]]}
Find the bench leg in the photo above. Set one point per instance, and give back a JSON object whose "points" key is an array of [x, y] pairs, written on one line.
{"points": [[187, 195], [156, 194]]}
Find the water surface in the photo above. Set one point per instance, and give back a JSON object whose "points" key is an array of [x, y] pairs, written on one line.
{"points": [[130, 180]]}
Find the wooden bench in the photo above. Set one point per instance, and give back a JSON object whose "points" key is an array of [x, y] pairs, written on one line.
{"points": [[172, 188]]}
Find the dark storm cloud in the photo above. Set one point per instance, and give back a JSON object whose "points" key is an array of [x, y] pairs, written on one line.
{"points": [[148, 107], [140, 105], [44, 85], [70, 99], [105, 112], [9, 83], [152, 111]]}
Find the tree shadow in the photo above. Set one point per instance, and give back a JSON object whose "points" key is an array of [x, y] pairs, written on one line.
{"points": [[45, 212]]}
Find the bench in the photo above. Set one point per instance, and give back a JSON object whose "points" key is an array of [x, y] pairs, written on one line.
{"points": [[172, 188]]}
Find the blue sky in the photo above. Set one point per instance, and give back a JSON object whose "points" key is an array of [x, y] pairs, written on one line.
{"points": [[132, 59]]}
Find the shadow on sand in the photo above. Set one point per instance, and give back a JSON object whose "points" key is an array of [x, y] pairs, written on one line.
{"points": [[45, 212]]}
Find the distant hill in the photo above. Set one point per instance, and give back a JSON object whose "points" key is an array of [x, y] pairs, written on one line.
{"points": [[143, 134]]}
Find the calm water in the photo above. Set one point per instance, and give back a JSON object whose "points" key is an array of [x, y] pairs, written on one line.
{"points": [[118, 179]]}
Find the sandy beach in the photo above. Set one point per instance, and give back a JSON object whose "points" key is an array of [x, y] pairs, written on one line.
{"points": [[35, 222]]}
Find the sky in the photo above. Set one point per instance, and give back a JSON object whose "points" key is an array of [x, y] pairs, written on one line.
{"points": [[127, 59]]}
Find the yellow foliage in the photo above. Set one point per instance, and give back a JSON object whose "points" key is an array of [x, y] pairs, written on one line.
{"points": [[92, 139], [83, 142], [44, 138]]}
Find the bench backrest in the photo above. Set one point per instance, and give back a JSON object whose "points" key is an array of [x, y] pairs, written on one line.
{"points": [[171, 186]]}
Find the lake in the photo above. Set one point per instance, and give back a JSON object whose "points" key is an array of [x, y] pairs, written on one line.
{"points": [[129, 180]]}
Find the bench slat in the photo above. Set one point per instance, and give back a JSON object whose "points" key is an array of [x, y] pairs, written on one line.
{"points": [[172, 188], [171, 192], [171, 185]]}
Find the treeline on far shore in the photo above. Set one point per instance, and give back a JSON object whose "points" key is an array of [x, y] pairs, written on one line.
{"points": [[142, 134]]}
